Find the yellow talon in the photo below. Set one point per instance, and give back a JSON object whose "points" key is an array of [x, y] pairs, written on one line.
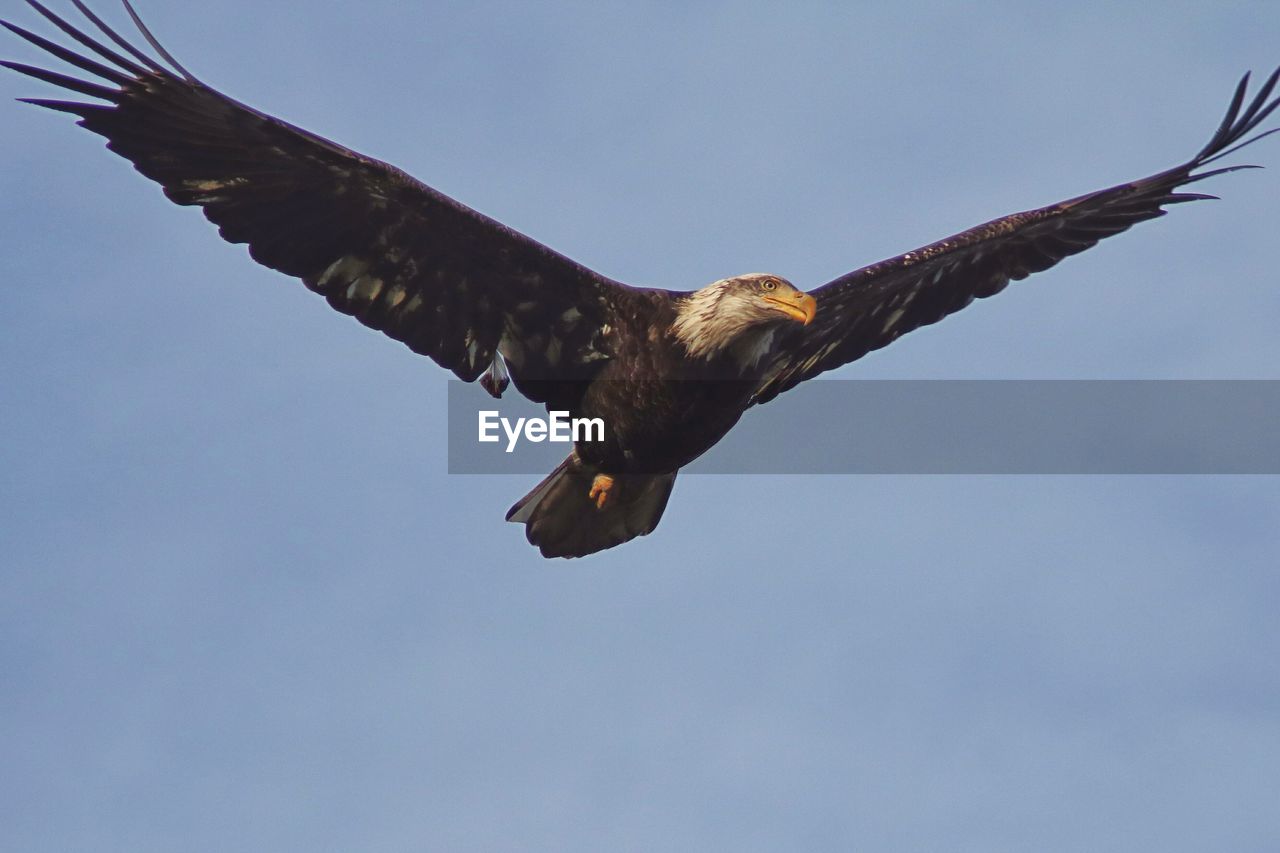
{"points": [[600, 487]]}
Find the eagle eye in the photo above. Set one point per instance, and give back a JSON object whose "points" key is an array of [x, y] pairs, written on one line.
{"points": [[769, 284]]}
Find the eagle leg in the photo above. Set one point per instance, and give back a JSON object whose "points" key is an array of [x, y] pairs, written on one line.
{"points": [[600, 487]]}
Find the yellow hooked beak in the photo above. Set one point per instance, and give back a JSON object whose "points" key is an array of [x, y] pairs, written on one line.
{"points": [[797, 305]]}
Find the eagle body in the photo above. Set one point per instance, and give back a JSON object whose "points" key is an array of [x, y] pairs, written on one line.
{"points": [[658, 426], [662, 406], [668, 372], [664, 402]]}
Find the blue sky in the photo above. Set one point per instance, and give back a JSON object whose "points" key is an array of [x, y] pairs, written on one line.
{"points": [[243, 607]]}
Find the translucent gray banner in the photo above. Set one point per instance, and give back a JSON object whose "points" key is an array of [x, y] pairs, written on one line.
{"points": [[941, 427]]}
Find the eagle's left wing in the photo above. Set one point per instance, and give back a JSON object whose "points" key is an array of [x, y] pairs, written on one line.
{"points": [[871, 307], [399, 256]]}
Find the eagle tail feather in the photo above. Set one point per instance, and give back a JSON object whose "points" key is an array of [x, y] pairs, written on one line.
{"points": [[562, 520]]}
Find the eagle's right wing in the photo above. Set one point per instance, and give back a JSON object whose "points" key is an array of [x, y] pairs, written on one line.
{"points": [[871, 307], [396, 254]]}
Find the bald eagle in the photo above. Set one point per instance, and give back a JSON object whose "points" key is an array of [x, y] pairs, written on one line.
{"points": [[670, 372]]}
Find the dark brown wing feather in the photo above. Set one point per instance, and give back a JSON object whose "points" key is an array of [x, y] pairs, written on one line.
{"points": [[871, 307], [399, 256]]}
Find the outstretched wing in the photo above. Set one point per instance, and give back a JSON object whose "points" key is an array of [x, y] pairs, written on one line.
{"points": [[871, 307], [402, 258]]}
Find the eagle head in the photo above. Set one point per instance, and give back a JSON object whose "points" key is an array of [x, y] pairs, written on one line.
{"points": [[740, 316]]}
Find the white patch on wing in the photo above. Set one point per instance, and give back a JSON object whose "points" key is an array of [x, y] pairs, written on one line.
{"points": [[365, 289], [396, 295], [510, 348], [209, 185], [570, 318], [414, 303], [346, 268], [893, 318], [753, 345]]}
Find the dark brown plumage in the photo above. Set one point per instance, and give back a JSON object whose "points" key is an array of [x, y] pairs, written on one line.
{"points": [[669, 372]]}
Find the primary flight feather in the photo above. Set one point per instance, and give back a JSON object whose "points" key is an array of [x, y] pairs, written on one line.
{"points": [[669, 372]]}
